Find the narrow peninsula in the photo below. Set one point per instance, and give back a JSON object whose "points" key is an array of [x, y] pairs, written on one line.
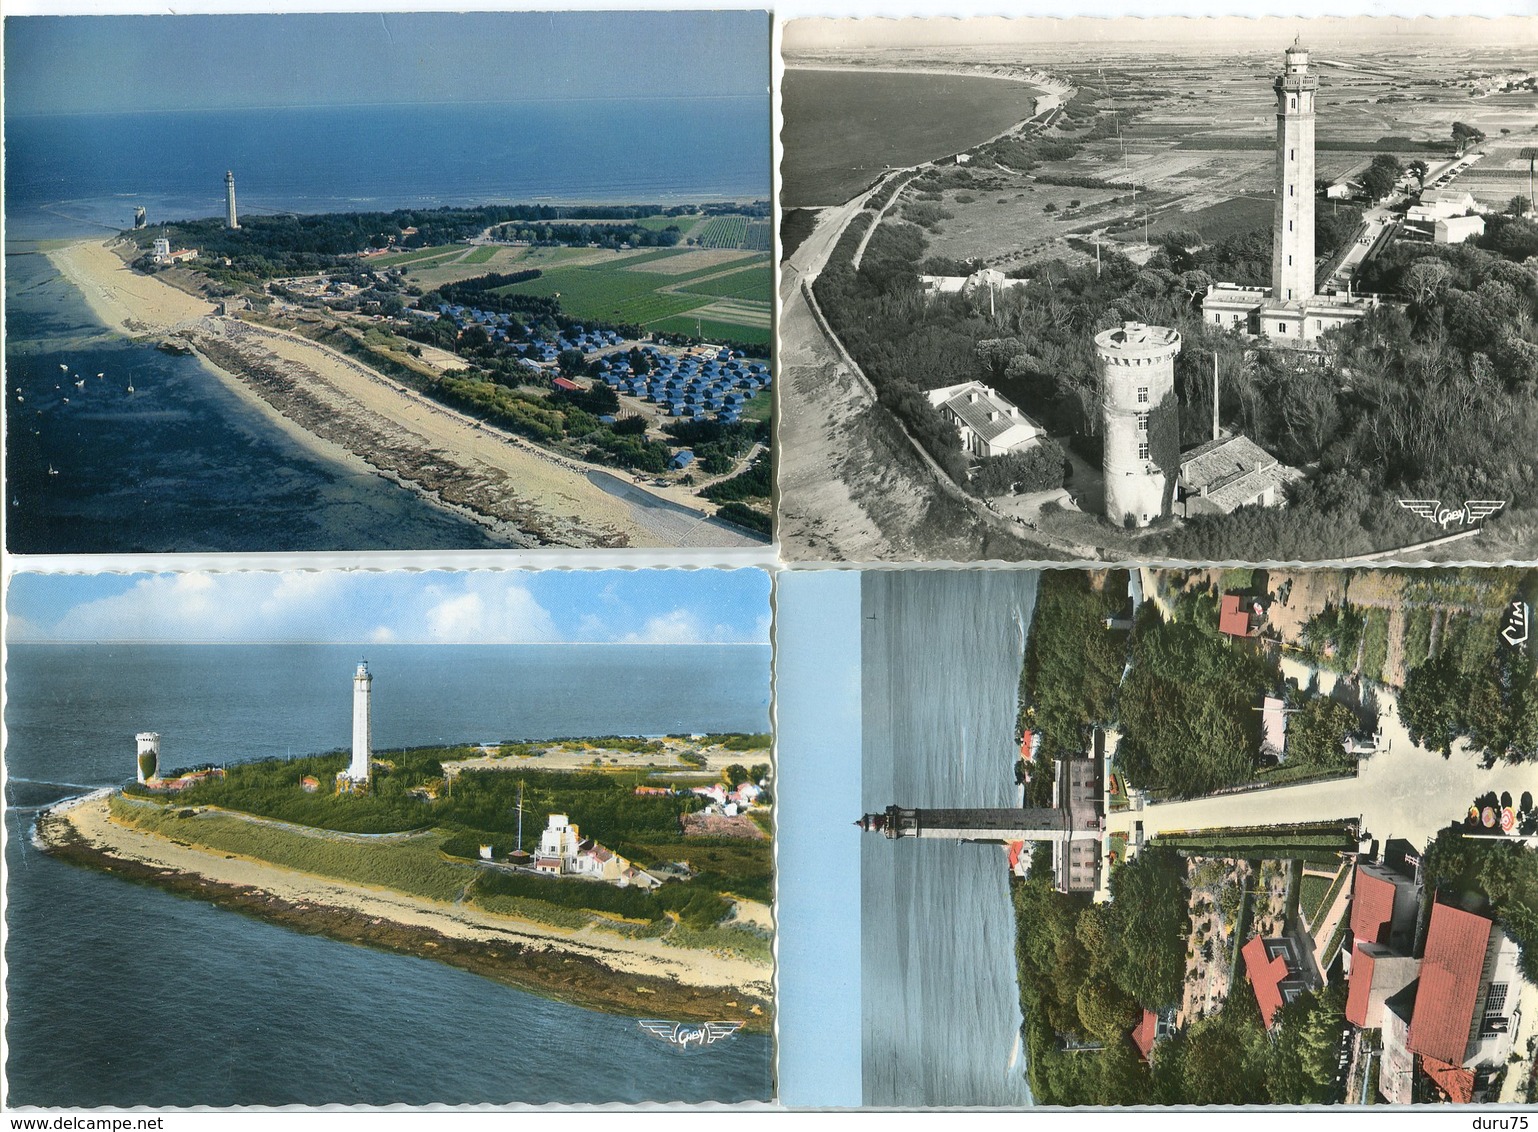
{"points": [[629, 875]]}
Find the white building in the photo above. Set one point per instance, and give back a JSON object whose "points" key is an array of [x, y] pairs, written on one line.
{"points": [[147, 762], [990, 278], [1440, 204], [988, 423], [1456, 229], [359, 772]]}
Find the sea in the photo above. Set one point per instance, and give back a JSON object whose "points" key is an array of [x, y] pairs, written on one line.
{"points": [[843, 128], [941, 652], [181, 464], [120, 994]]}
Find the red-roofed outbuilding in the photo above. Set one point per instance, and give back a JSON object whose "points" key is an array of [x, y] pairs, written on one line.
{"points": [[1361, 987], [1144, 1033], [1372, 907], [1451, 970], [1233, 618], [1454, 1080]]}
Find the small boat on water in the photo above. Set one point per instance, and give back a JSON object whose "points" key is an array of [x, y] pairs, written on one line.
{"points": [[64, 368], [130, 389], [52, 471]]}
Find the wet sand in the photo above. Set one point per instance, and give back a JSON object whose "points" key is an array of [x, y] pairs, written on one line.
{"points": [[349, 412], [588, 967]]}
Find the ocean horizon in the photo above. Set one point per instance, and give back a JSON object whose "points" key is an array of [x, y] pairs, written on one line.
{"points": [[77, 175]]}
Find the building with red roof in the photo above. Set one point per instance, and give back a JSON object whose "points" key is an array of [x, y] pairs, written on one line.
{"points": [[1451, 972], [1152, 1028], [1277, 973], [1383, 906], [1377, 974], [1383, 910], [1453, 1081], [1145, 1032], [1233, 617]]}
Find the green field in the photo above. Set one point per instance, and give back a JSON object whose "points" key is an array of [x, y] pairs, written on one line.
{"points": [[419, 256], [756, 282], [615, 291], [712, 331], [480, 255]]}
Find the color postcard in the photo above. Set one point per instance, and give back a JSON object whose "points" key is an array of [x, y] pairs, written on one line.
{"points": [[1158, 837], [388, 838], [1236, 290], [502, 280]]}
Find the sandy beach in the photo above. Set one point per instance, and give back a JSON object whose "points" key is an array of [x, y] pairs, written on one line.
{"points": [[351, 413], [645, 975]]}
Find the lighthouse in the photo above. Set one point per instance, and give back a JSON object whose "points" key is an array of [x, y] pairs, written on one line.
{"points": [[1142, 428], [362, 733], [1073, 826], [230, 219], [1292, 239], [148, 752]]}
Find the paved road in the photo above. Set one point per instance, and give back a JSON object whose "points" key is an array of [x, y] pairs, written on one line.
{"points": [[1402, 791]]}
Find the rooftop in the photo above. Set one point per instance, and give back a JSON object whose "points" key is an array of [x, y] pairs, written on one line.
{"points": [[1232, 471], [1372, 907], [1449, 983]]}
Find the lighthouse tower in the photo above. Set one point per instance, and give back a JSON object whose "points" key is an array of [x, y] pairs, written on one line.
{"points": [[362, 732], [1292, 241], [1137, 367], [148, 762], [230, 219]]}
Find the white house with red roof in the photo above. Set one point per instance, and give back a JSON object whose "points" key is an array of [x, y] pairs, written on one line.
{"points": [[1463, 1007], [1456, 1022]]}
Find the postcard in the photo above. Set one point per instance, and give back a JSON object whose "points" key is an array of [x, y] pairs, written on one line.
{"points": [[1238, 290], [502, 280], [1157, 837], [388, 838]]}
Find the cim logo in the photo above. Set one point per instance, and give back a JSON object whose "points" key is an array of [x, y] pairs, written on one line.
{"points": [[1514, 628], [690, 1037], [1470, 513]]}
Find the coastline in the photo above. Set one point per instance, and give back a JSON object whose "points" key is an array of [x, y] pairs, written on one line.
{"points": [[587, 968], [347, 412], [1042, 82]]}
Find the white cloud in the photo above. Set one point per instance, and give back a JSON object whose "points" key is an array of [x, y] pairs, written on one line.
{"points": [[382, 635], [492, 610]]}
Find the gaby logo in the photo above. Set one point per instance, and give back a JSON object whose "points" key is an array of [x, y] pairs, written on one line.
{"points": [[690, 1036], [1470, 513]]}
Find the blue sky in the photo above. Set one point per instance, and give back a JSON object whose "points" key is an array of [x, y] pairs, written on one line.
{"points": [[817, 733], [450, 607], [75, 64]]}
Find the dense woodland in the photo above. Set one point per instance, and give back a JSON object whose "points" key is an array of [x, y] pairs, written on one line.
{"points": [[1186, 707], [267, 247], [1434, 396], [1088, 970]]}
